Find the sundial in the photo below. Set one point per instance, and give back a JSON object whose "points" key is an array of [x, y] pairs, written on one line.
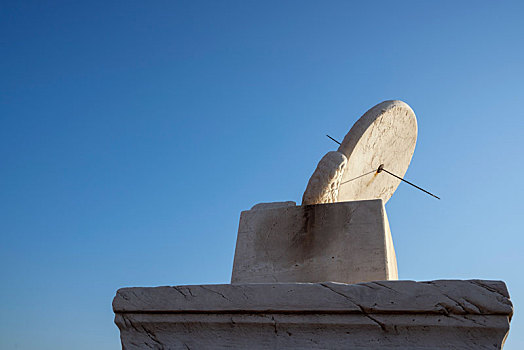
{"points": [[383, 138], [324, 272], [341, 231]]}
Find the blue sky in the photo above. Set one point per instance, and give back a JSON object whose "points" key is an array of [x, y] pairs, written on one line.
{"points": [[133, 133]]}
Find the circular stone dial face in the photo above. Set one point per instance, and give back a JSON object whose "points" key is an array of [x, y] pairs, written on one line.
{"points": [[386, 134]]}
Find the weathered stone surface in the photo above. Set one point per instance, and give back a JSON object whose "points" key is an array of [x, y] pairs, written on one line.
{"points": [[323, 184], [273, 205], [348, 242], [386, 134], [448, 314]]}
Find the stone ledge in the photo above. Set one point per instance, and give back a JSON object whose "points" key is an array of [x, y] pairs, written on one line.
{"points": [[446, 314], [473, 297]]}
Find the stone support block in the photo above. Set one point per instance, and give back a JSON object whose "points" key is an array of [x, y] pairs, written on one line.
{"points": [[347, 242]]}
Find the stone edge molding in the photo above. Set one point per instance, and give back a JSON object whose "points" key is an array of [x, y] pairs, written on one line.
{"points": [[461, 314]]}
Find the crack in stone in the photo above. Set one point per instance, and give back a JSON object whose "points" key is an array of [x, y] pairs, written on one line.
{"points": [[474, 321], [479, 310], [445, 309], [178, 290], [274, 324], [462, 304], [384, 286], [491, 289], [366, 285], [362, 310], [141, 330], [128, 322], [214, 291], [456, 302], [152, 336]]}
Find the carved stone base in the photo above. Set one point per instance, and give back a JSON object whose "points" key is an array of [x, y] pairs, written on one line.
{"points": [[376, 315]]}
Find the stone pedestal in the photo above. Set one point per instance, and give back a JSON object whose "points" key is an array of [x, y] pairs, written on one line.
{"points": [[347, 242], [405, 315]]}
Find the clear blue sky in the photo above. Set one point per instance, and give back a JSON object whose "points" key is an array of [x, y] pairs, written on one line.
{"points": [[133, 133]]}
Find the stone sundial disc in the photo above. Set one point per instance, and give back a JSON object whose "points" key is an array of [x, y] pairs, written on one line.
{"points": [[386, 134]]}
